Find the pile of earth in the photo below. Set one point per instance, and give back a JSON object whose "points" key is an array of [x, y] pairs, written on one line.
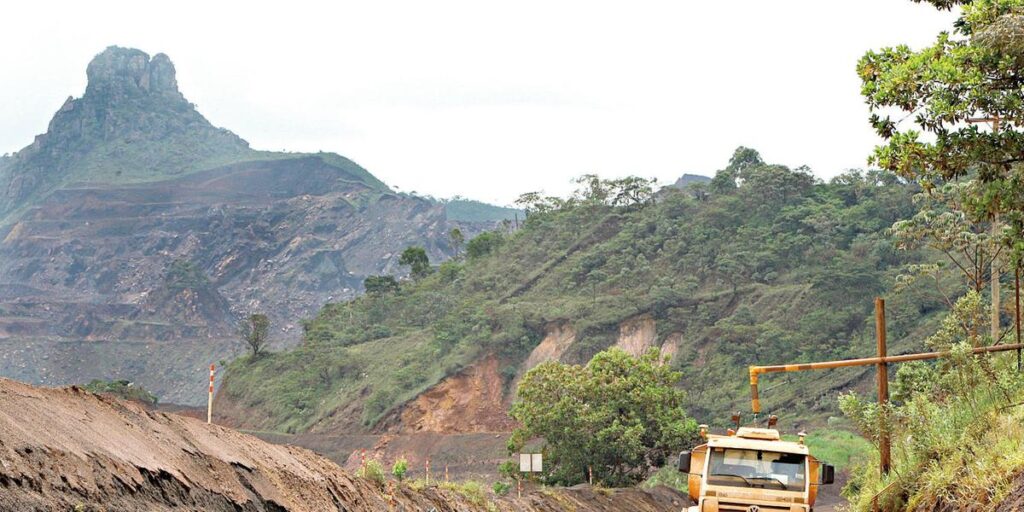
{"points": [[68, 449]]}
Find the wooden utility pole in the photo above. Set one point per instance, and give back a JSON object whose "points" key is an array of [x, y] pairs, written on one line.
{"points": [[881, 362], [1016, 315], [884, 445], [996, 331]]}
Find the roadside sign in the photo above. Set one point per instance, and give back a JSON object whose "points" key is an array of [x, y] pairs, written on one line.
{"points": [[531, 462]]}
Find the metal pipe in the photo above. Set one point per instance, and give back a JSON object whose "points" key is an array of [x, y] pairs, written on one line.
{"points": [[756, 371]]}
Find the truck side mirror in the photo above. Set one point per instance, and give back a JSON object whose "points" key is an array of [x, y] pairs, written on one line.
{"points": [[828, 474], [684, 462]]}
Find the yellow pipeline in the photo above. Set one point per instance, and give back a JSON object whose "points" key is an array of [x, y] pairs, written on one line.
{"points": [[755, 371]]}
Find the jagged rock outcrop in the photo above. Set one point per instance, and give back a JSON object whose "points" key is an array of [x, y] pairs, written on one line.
{"points": [[132, 123], [129, 181]]}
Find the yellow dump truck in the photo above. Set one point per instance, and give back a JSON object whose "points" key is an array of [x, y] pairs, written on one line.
{"points": [[753, 470]]}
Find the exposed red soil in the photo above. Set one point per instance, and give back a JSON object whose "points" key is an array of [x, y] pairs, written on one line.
{"points": [[473, 400]]}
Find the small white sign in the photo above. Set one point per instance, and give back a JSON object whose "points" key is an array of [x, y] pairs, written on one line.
{"points": [[531, 462]]}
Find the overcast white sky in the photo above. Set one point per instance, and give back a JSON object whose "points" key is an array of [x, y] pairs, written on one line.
{"points": [[487, 99]]}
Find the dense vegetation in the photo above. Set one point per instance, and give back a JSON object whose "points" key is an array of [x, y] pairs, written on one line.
{"points": [[461, 209], [764, 264]]}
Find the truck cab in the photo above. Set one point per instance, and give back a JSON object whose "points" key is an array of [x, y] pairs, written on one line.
{"points": [[753, 470]]}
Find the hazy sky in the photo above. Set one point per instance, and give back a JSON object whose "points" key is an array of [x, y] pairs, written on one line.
{"points": [[487, 99]]}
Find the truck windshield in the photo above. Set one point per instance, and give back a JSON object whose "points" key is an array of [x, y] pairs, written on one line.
{"points": [[757, 468]]}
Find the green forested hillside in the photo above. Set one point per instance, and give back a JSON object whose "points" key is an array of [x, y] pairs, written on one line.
{"points": [[765, 264], [467, 210]]}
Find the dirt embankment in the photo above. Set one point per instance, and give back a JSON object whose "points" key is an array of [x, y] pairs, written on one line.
{"points": [[473, 400], [67, 449]]}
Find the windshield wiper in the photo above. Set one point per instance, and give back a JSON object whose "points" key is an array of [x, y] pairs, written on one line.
{"points": [[737, 476], [783, 484]]}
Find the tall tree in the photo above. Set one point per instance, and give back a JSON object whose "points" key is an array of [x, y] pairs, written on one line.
{"points": [[456, 239], [255, 330], [416, 259], [966, 92]]}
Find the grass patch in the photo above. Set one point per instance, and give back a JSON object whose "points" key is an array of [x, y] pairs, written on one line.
{"points": [[841, 448]]}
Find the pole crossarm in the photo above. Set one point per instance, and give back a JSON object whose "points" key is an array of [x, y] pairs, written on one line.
{"points": [[756, 371]]}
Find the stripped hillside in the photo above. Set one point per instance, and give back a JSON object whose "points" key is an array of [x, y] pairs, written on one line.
{"points": [[763, 264], [130, 185]]}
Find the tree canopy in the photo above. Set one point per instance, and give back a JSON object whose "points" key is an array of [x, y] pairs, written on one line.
{"points": [[966, 80], [377, 285], [255, 330], [618, 415], [416, 259]]}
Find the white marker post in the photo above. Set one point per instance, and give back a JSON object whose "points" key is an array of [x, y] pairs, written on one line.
{"points": [[529, 463], [209, 404]]}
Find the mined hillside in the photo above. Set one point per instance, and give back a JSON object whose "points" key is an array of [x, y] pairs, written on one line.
{"points": [[129, 187], [763, 265], [67, 449]]}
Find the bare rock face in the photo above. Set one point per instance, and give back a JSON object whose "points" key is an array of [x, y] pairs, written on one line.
{"points": [[637, 334], [558, 337], [121, 72]]}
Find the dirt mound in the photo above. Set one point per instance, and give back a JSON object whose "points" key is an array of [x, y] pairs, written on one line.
{"points": [[67, 449]]}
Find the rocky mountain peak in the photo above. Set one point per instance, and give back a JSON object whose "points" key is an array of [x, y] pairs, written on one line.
{"points": [[117, 73], [131, 124]]}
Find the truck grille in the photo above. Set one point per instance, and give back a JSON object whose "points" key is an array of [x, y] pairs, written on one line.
{"points": [[746, 507]]}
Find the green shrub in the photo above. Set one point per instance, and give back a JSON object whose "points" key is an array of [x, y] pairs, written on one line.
{"points": [[472, 491], [122, 389], [618, 415], [378, 285], [373, 471], [501, 488], [449, 271], [399, 469], [485, 243]]}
